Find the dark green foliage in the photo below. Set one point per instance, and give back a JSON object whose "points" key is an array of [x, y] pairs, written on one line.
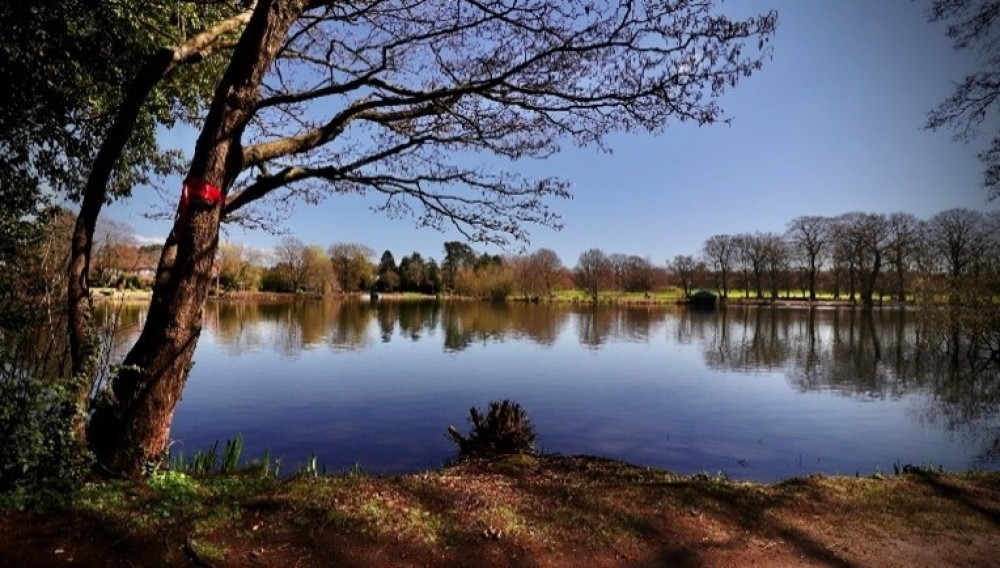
{"points": [[37, 406], [275, 280], [204, 463], [504, 429], [65, 66], [231, 455], [37, 448], [703, 299]]}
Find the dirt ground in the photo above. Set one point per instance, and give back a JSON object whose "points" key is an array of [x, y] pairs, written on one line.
{"points": [[520, 511]]}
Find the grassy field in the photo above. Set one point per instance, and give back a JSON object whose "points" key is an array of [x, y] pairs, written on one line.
{"points": [[668, 296]]}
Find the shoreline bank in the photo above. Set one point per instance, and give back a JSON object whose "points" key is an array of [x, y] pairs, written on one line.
{"points": [[517, 511]]}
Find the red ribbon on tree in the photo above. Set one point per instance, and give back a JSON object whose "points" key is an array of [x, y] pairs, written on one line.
{"points": [[199, 191]]}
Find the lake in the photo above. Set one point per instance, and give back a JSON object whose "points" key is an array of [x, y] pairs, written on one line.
{"points": [[759, 393]]}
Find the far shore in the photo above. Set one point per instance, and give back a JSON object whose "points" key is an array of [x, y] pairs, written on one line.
{"points": [[563, 297]]}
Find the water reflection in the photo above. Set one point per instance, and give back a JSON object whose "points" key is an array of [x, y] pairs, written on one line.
{"points": [[870, 355], [884, 359], [856, 353]]}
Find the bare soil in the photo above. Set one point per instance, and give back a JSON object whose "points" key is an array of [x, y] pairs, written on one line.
{"points": [[519, 511]]}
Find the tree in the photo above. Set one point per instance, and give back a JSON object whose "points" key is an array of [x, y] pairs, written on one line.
{"points": [[398, 88], [317, 272], [618, 262], [239, 266], [810, 237], [291, 256], [536, 274], [352, 264], [720, 250], [457, 255], [905, 235], [113, 53], [435, 279], [683, 267], [743, 243], [973, 25], [593, 272], [388, 277], [547, 269], [639, 274], [774, 259], [412, 273], [959, 241], [862, 240], [116, 251]]}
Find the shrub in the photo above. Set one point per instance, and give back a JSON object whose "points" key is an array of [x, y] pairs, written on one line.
{"points": [[38, 450], [504, 429]]}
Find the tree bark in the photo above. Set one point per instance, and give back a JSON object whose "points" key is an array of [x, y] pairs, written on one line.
{"points": [[96, 192], [131, 429], [812, 278], [94, 196]]}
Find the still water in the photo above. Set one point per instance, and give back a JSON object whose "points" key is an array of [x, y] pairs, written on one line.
{"points": [[759, 393]]}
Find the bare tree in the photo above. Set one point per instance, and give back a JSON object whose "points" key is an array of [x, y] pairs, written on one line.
{"points": [[743, 244], [593, 272], [618, 262], [116, 250], [290, 254], [905, 236], [775, 260], [867, 237], [547, 267], [537, 273], [684, 267], [973, 25], [845, 254], [325, 97], [720, 251], [640, 275], [810, 237], [959, 240]]}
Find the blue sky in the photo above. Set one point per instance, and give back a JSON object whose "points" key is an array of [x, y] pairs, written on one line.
{"points": [[832, 124]]}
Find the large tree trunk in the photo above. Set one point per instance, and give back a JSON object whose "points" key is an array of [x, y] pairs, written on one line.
{"points": [[96, 192], [869, 280], [94, 196], [131, 429], [812, 278]]}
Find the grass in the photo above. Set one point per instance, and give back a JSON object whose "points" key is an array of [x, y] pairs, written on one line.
{"points": [[669, 296], [545, 510]]}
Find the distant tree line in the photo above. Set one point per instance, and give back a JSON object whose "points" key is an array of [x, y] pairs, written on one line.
{"points": [[863, 257], [860, 257]]}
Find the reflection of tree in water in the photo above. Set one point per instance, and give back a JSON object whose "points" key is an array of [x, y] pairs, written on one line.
{"points": [[697, 325], [740, 338], [415, 318], [465, 323], [292, 326], [387, 314], [965, 372], [596, 325], [349, 326], [864, 353], [540, 322], [236, 325]]}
